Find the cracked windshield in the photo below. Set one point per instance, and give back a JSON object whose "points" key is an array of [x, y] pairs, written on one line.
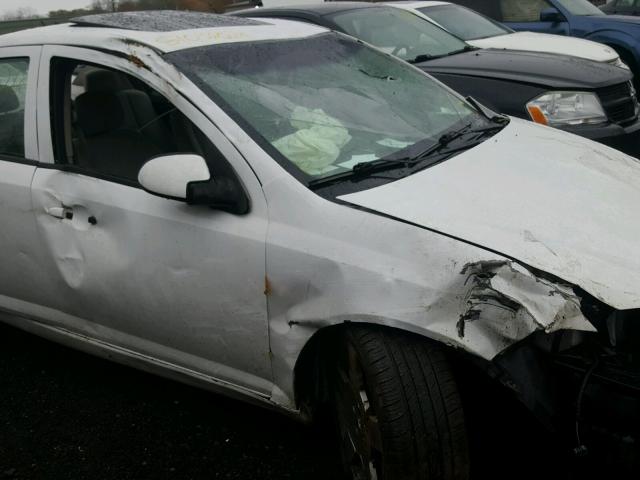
{"points": [[326, 103]]}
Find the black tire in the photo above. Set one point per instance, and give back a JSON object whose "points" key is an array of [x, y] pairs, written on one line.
{"points": [[398, 409]]}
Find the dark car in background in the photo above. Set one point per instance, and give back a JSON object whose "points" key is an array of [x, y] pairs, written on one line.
{"points": [[591, 99], [577, 18], [621, 7]]}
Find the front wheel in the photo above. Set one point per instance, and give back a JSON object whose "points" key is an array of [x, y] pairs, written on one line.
{"points": [[398, 410]]}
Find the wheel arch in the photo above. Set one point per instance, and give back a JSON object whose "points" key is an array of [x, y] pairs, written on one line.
{"points": [[627, 56], [621, 42], [310, 376]]}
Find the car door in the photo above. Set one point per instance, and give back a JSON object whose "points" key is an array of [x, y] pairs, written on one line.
{"points": [[167, 282], [525, 15], [19, 273]]}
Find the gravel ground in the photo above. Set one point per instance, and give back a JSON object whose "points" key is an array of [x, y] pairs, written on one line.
{"points": [[67, 415]]}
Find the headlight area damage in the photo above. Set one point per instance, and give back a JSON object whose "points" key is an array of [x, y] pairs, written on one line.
{"points": [[507, 303], [572, 360]]}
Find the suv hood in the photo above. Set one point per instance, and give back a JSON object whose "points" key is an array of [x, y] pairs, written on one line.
{"points": [[544, 42], [548, 199], [544, 69], [611, 20]]}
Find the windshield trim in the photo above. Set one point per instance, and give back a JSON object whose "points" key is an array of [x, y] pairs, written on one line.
{"points": [[505, 30], [244, 124], [262, 141], [420, 156], [596, 12]]}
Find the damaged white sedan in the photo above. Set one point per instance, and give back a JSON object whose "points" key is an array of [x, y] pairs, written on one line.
{"points": [[285, 214]]}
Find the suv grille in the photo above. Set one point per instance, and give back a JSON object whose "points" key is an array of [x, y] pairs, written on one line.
{"points": [[618, 102]]}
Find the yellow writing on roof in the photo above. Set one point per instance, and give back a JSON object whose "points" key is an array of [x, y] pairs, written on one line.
{"points": [[202, 37]]}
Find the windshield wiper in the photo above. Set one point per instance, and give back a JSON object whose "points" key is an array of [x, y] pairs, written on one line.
{"points": [[446, 139], [487, 112], [467, 48], [424, 57], [361, 170], [365, 169]]}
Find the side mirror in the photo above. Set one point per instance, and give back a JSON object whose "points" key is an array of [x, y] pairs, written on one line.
{"points": [[551, 15], [186, 177], [169, 176]]}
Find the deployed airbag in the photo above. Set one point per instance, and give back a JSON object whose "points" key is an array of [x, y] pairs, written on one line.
{"points": [[316, 144]]}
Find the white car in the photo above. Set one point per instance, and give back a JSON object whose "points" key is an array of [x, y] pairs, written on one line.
{"points": [[483, 32], [284, 214]]}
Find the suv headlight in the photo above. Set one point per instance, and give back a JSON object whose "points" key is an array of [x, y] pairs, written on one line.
{"points": [[566, 108]]}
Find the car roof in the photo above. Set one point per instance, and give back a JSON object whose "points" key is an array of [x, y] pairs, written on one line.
{"points": [[163, 31], [419, 4], [319, 9]]}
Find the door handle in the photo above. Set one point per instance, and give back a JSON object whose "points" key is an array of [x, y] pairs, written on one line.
{"points": [[63, 213], [66, 213]]}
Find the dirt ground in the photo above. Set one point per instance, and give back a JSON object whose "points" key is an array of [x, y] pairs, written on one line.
{"points": [[67, 415]]}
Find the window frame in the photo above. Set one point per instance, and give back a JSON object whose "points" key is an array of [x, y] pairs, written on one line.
{"points": [[115, 62], [491, 20], [31, 147], [488, 8]]}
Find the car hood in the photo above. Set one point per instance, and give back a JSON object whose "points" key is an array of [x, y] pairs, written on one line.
{"points": [[611, 20], [544, 69], [548, 199], [543, 42]]}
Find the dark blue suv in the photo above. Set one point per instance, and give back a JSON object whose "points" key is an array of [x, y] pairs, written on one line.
{"points": [[577, 18]]}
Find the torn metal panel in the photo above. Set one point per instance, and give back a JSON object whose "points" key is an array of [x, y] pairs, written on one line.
{"points": [[506, 303], [560, 205], [336, 264]]}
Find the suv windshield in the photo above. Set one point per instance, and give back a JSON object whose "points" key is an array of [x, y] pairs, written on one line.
{"points": [[580, 7], [464, 23], [327, 103], [398, 32]]}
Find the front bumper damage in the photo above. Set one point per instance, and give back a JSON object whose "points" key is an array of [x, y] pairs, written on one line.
{"points": [[583, 386], [503, 303], [573, 361]]}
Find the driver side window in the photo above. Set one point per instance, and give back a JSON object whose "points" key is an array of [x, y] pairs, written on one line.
{"points": [[109, 124], [522, 10]]}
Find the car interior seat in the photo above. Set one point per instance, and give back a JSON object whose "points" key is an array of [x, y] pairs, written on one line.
{"points": [[109, 140]]}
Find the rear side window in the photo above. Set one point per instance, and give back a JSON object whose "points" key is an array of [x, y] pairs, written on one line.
{"points": [[463, 22], [490, 8], [13, 91], [522, 10]]}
